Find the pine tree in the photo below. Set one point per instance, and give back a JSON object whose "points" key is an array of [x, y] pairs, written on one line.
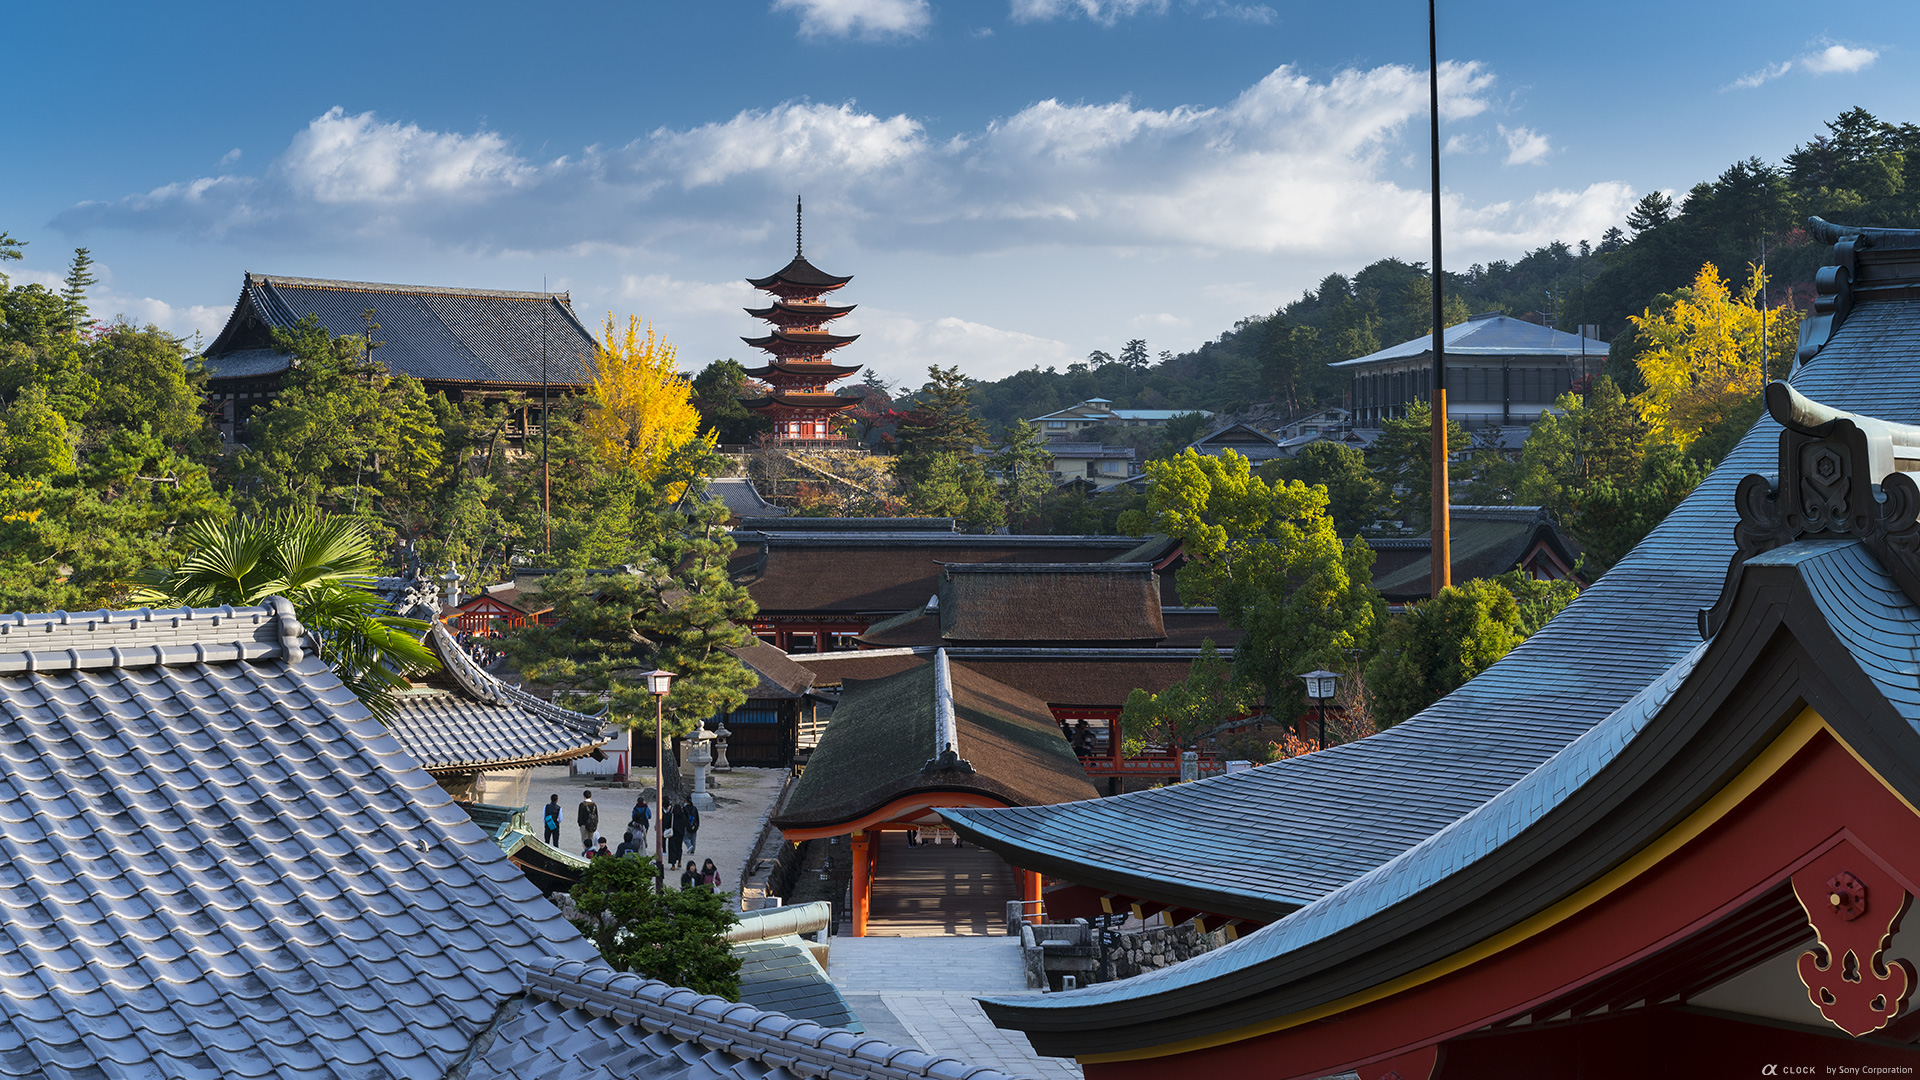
{"points": [[942, 422], [79, 279]]}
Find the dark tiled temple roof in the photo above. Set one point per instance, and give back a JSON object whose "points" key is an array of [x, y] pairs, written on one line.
{"points": [[1307, 826], [1487, 541], [882, 743], [1103, 602], [451, 335], [800, 273], [1190, 627], [587, 1022], [909, 629], [780, 676], [891, 572], [782, 976], [215, 862], [1092, 678], [742, 499]]}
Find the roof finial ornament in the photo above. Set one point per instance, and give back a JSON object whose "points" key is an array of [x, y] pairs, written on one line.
{"points": [[796, 227]]}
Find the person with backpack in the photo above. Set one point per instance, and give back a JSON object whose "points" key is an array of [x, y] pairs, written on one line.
{"points": [[642, 818], [550, 821], [693, 826], [588, 818]]}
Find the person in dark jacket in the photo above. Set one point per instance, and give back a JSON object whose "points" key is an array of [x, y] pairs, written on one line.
{"points": [[642, 818], [550, 821], [588, 818], [630, 845], [674, 821], [693, 825], [603, 849], [690, 876], [710, 875]]}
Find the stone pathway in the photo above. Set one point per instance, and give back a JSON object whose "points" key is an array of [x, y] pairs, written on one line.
{"points": [[919, 991], [743, 798]]}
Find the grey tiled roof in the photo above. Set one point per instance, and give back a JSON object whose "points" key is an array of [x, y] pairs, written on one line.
{"points": [[783, 977], [1306, 826], [1495, 335], [1860, 602], [486, 724], [451, 733], [587, 1022], [430, 332], [215, 862]]}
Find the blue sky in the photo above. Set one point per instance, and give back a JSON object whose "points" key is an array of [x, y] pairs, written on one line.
{"points": [[1012, 182]]}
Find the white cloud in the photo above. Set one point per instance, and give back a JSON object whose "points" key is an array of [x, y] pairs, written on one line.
{"points": [[1757, 78], [1838, 59], [1834, 59], [1253, 13], [1100, 11], [1525, 146], [870, 19], [230, 156], [1464, 143], [107, 304], [1295, 166]]}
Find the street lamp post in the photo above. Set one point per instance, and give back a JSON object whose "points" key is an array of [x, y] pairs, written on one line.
{"points": [[658, 683], [1320, 686]]}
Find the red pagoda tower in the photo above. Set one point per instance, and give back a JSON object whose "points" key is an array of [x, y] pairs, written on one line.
{"points": [[801, 402]]}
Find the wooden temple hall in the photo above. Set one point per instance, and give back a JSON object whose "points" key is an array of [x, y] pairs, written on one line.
{"points": [[1674, 834], [938, 734]]}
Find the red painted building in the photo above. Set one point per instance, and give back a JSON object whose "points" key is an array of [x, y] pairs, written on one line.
{"points": [[801, 401]]}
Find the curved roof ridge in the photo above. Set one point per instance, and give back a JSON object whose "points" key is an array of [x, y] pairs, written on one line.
{"points": [[422, 290], [485, 686], [148, 637]]}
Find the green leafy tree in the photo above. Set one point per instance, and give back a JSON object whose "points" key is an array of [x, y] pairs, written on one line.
{"points": [[146, 379], [956, 485], [1438, 645], [716, 394], [676, 609], [325, 567], [1611, 516], [1402, 460], [36, 441], [941, 422], [1134, 354], [72, 540], [79, 279], [1354, 495], [674, 935], [1025, 467], [1189, 712], [1269, 557]]}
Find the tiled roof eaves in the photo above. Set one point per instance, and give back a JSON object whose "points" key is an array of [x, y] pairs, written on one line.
{"points": [[411, 290], [773, 1040], [483, 686]]}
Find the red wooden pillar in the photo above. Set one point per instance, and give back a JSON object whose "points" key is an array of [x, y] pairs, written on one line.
{"points": [[862, 880], [1030, 895]]}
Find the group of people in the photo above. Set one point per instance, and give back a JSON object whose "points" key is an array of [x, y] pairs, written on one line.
{"points": [[1080, 737], [679, 833], [485, 647]]}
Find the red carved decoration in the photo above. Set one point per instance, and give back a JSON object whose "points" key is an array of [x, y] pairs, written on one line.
{"points": [[1855, 908]]}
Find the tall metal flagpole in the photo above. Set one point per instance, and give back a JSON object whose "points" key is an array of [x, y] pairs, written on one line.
{"points": [[1441, 574]]}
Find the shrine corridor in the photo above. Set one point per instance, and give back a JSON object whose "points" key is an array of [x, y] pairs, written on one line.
{"points": [[936, 889]]}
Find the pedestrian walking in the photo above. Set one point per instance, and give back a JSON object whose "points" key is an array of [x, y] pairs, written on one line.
{"points": [[674, 824], [642, 817], [550, 821], [693, 826], [588, 818], [603, 849], [710, 875], [689, 877], [631, 845]]}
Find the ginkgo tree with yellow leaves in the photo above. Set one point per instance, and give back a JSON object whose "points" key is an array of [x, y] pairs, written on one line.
{"points": [[641, 408], [1703, 365]]}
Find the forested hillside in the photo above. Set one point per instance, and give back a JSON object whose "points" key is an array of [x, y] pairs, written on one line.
{"points": [[1859, 170]]}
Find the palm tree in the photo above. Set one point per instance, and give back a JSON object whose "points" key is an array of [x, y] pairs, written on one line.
{"points": [[325, 567]]}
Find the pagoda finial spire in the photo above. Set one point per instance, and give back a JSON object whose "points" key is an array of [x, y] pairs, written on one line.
{"points": [[796, 227]]}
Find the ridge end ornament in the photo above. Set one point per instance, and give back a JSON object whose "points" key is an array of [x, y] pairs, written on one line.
{"points": [[1854, 908]]}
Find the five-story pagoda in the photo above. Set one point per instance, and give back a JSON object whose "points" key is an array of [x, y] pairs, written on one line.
{"points": [[801, 402]]}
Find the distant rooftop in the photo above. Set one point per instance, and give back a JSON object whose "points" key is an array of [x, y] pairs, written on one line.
{"points": [[1490, 335]]}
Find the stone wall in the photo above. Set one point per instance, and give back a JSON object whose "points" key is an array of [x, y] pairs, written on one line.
{"points": [[1160, 947]]}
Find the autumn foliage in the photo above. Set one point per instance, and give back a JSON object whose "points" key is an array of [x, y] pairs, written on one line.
{"points": [[643, 408], [1704, 363]]}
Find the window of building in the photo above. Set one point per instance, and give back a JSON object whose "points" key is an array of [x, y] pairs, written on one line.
{"points": [[842, 641], [1056, 423], [803, 643]]}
